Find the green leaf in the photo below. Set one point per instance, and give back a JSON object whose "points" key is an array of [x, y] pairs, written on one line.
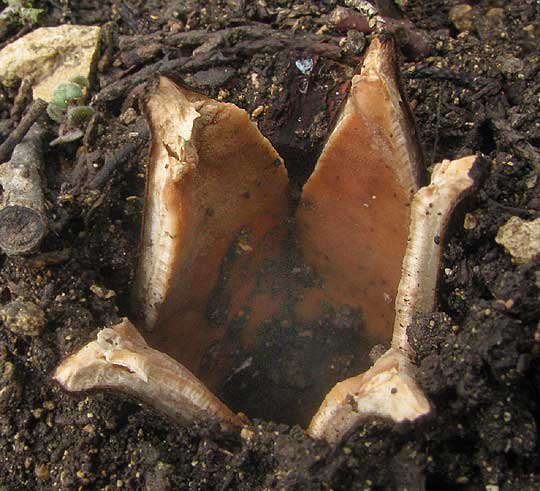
{"points": [[70, 136], [65, 93], [78, 115], [80, 80], [56, 112], [30, 15]]}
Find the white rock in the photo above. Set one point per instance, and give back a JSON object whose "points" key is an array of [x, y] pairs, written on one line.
{"points": [[50, 56], [521, 239]]}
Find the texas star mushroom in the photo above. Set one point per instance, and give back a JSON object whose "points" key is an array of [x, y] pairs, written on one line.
{"points": [[218, 212], [120, 359], [388, 389]]}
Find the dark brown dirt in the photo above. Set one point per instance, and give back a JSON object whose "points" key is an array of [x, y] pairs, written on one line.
{"points": [[479, 355]]}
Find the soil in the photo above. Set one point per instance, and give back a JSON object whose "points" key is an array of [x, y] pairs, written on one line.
{"points": [[478, 355]]}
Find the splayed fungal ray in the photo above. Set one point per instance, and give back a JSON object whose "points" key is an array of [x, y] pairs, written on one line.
{"points": [[211, 174], [388, 389], [218, 213], [353, 217], [120, 359]]}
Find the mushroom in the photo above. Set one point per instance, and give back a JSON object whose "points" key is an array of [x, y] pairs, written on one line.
{"points": [[120, 359], [388, 389], [218, 213]]}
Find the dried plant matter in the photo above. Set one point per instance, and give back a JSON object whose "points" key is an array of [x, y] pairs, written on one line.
{"points": [[388, 389], [36, 109], [23, 220], [120, 359]]}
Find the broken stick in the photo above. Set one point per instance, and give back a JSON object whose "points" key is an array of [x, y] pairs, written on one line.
{"points": [[36, 109], [23, 222]]}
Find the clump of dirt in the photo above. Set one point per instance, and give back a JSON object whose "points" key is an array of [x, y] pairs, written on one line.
{"points": [[478, 356]]}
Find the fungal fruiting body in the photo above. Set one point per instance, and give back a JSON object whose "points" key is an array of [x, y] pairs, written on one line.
{"points": [[218, 231], [120, 359], [388, 389], [353, 217]]}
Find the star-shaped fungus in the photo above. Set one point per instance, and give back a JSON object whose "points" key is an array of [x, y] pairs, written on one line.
{"points": [[236, 277]]}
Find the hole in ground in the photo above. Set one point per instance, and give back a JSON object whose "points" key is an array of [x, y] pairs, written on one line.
{"points": [[274, 338]]}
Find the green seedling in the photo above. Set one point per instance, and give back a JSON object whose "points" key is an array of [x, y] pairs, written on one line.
{"points": [[65, 93], [56, 113], [81, 81], [66, 109], [19, 12], [79, 115]]}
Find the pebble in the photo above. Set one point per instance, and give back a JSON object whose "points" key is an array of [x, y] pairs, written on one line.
{"points": [[512, 66], [521, 239], [101, 292], [470, 222], [41, 471], [491, 26], [461, 17], [354, 43], [23, 318], [128, 116], [257, 111]]}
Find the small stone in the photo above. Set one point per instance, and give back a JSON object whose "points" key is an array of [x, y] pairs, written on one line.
{"points": [[49, 405], [470, 222], [41, 471], [23, 317], [492, 25], [101, 292], [257, 111], [521, 239], [462, 17], [50, 56], [354, 43], [89, 429], [512, 65], [128, 116]]}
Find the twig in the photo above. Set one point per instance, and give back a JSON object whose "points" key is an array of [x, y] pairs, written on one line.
{"points": [[117, 89], [36, 109], [24, 96], [368, 20], [23, 222], [192, 39], [112, 161], [218, 48]]}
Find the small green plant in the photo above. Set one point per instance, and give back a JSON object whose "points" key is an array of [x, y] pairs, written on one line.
{"points": [[67, 109], [19, 12]]}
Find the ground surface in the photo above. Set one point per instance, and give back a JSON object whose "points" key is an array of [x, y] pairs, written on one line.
{"points": [[478, 356]]}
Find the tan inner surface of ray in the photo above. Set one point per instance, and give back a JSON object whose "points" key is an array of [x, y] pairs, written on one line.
{"points": [[354, 214]]}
